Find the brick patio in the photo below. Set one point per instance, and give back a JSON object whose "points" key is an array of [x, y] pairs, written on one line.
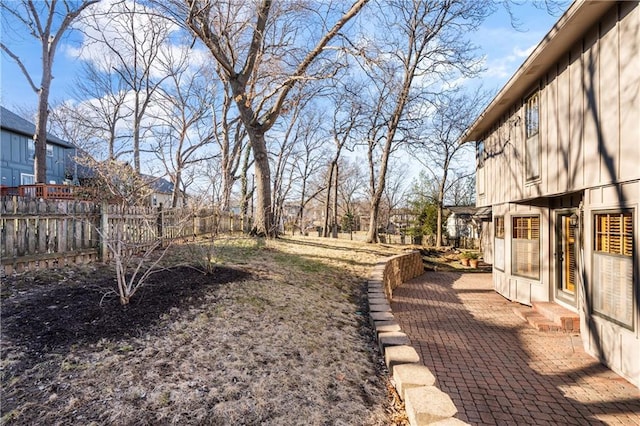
{"points": [[496, 367]]}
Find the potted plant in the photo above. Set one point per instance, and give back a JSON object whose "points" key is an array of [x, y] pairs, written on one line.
{"points": [[469, 258], [473, 259]]}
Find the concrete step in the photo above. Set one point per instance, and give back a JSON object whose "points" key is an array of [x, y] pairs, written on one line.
{"points": [[549, 318]]}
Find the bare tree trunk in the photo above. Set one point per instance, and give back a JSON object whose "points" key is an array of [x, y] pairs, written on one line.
{"points": [[335, 204], [40, 135], [136, 134], [327, 204], [244, 188], [263, 217], [175, 195]]}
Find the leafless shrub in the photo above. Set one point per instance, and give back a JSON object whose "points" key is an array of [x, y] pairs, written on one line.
{"points": [[129, 228]]}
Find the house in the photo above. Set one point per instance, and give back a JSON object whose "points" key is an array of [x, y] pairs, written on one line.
{"points": [[161, 191], [91, 172], [462, 224], [17, 153], [558, 163]]}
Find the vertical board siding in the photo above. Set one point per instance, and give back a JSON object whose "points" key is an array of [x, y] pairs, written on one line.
{"points": [[590, 89], [562, 148], [576, 131], [589, 109], [608, 112], [629, 65]]}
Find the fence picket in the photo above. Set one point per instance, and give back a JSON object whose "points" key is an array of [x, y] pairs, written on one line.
{"points": [[45, 233]]}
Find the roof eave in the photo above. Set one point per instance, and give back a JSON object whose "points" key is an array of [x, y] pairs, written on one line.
{"points": [[569, 28]]}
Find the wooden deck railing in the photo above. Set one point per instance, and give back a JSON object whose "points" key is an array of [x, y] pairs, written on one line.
{"points": [[43, 191]]}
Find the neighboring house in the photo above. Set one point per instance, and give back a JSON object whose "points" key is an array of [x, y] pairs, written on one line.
{"points": [[401, 219], [161, 189], [462, 223], [17, 153], [558, 162], [162, 192]]}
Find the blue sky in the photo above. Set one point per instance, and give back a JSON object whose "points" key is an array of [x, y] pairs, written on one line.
{"points": [[504, 48]]}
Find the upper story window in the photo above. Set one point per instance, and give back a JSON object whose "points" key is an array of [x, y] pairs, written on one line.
{"points": [[49, 150], [532, 115], [480, 154], [31, 149], [532, 140]]}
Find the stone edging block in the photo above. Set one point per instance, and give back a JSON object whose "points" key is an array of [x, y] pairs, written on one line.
{"points": [[392, 338], [408, 376], [379, 307], [384, 326], [402, 354], [424, 403], [428, 404]]}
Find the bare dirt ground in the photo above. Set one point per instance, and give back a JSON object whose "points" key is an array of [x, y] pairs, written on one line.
{"points": [[278, 334]]}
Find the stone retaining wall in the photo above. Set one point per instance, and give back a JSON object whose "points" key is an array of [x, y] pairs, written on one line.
{"points": [[424, 402]]}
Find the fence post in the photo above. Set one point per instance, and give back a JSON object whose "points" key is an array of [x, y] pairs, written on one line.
{"points": [[159, 223], [104, 231]]}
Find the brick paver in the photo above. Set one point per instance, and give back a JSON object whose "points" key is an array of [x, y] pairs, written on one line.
{"points": [[499, 370]]}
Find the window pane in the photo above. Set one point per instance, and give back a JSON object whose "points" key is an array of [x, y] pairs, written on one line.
{"points": [[500, 227], [613, 267], [525, 246], [614, 233], [613, 287], [26, 179], [532, 115]]}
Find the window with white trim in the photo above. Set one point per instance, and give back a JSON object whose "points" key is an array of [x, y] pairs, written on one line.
{"points": [[49, 150], [613, 266], [27, 179], [525, 246]]}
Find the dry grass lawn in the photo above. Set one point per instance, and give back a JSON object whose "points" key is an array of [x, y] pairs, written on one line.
{"points": [[283, 339]]}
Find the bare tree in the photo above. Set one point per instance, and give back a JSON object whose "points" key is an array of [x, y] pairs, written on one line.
{"points": [[101, 109], [47, 22], [283, 150], [308, 161], [344, 121], [424, 45], [183, 130], [231, 138], [395, 188], [253, 42], [440, 148], [351, 184], [134, 40]]}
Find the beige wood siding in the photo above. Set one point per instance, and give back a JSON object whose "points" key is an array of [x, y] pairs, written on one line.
{"points": [[589, 118], [628, 39]]}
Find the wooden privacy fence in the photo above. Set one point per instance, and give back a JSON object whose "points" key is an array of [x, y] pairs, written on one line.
{"points": [[39, 233]]}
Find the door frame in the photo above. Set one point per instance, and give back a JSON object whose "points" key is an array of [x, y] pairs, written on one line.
{"points": [[561, 216]]}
